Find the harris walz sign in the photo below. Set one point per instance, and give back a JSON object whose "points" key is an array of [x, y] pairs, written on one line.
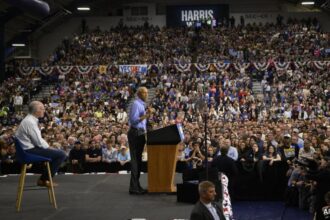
{"points": [[178, 16]]}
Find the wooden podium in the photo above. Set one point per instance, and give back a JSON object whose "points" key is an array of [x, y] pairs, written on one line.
{"points": [[162, 147]]}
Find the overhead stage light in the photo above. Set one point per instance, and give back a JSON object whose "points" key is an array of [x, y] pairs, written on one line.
{"points": [[308, 3], [83, 8], [18, 44]]}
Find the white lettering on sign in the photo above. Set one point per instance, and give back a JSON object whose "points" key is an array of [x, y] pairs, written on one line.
{"points": [[196, 15]]}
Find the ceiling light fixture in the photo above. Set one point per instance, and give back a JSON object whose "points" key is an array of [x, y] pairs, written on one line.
{"points": [[84, 8]]}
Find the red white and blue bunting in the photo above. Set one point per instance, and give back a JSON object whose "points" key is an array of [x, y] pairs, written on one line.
{"points": [[202, 67], [64, 69], [45, 70], [262, 66], [84, 69], [321, 64], [239, 66], [221, 66], [282, 66], [26, 70], [226, 201], [183, 67]]}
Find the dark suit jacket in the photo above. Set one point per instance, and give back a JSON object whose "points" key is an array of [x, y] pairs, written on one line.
{"points": [[200, 212], [225, 165]]}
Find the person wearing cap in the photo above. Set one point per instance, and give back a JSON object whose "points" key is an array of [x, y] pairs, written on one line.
{"points": [[286, 150]]}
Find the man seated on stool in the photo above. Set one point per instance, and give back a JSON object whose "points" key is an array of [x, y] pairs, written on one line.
{"points": [[29, 134], [205, 208]]}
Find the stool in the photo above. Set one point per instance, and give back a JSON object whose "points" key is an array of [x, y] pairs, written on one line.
{"points": [[26, 158]]}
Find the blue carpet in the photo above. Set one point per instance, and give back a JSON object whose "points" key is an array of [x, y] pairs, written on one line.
{"points": [[266, 210]]}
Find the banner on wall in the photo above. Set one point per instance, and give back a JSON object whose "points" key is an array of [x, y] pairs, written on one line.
{"points": [[178, 16], [133, 69], [257, 17]]}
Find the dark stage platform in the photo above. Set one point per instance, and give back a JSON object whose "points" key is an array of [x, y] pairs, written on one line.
{"points": [[106, 197]]}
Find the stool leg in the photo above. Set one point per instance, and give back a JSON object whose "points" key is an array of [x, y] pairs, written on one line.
{"points": [[50, 196], [20, 188], [51, 186]]}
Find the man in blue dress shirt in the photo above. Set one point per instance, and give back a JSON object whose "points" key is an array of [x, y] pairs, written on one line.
{"points": [[138, 116]]}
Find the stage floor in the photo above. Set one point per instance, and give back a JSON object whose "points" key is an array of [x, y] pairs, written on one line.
{"points": [[106, 197]]}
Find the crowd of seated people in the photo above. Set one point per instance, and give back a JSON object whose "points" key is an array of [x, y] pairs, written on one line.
{"points": [[293, 41], [86, 114]]}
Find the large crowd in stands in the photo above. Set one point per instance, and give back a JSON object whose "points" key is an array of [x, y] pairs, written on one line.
{"points": [[294, 41], [86, 114]]}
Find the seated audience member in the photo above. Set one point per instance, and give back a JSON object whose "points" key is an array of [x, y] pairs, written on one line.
{"points": [[196, 157], [210, 154], [271, 155], [295, 145], [256, 153], [324, 149], [93, 157], [232, 151], [307, 151], [29, 134], [124, 159], [76, 158], [243, 152], [8, 161], [110, 157], [206, 208], [286, 150]]}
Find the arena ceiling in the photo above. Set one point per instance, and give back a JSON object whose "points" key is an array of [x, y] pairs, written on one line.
{"points": [[19, 24]]}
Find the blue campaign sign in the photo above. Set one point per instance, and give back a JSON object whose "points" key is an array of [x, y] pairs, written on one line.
{"points": [[135, 69], [194, 14]]}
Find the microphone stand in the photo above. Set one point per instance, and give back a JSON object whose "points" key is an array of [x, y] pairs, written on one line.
{"points": [[202, 106], [205, 143]]}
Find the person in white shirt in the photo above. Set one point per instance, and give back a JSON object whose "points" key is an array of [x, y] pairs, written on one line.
{"points": [[307, 151], [18, 103], [29, 134]]}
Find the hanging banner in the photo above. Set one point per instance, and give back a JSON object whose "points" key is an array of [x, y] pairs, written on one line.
{"points": [[202, 67], [45, 70], [281, 66], [221, 66], [192, 15], [135, 69], [26, 70], [261, 66], [84, 69], [321, 65], [183, 67], [239, 66], [64, 69]]}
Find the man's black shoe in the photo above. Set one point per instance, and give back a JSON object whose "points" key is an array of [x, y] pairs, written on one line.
{"points": [[144, 191], [136, 192]]}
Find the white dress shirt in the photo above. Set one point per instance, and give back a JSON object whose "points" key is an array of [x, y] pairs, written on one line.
{"points": [[29, 134], [212, 210]]}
